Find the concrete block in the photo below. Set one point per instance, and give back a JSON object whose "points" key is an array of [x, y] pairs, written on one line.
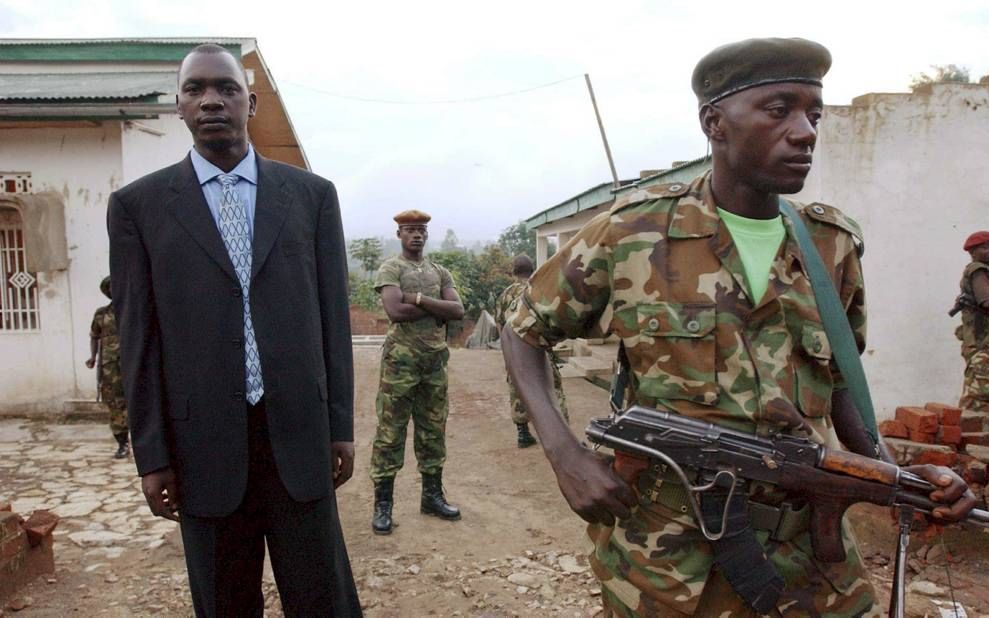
{"points": [[979, 452], [904, 450]]}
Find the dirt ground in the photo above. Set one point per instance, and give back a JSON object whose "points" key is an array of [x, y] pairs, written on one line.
{"points": [[518, 551]]}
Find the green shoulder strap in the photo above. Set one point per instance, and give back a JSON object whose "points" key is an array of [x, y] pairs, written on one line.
{"points": [[836, 326]]}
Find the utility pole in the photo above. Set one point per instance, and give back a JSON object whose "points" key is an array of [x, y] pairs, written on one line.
{"points": [[604, 137]]}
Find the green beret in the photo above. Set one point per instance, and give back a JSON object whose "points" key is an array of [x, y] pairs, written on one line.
{"points": [[738, 66], [412, 217]]}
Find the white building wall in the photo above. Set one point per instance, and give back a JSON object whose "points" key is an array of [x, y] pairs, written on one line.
{"points": [[912, 170], [38, 371]]}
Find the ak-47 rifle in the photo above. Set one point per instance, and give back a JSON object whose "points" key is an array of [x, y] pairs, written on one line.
{"points": [[964, 301], [722, 459]]}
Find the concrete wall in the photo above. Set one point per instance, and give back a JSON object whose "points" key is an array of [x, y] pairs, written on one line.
{"points": [[39, 370], [912, 170]]}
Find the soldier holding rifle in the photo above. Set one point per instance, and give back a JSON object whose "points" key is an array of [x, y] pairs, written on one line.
{"points": [[708, 289], [973, 302]]}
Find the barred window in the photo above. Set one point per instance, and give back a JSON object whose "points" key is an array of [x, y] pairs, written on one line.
{"points": [[18, 287]]}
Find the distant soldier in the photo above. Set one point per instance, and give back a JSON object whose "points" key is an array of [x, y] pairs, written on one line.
{"points": [[522, 269], [105, 345], [974, 330], [419, 298]]}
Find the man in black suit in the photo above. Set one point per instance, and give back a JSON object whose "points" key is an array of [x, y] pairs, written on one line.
{"points": [[230, 284]]}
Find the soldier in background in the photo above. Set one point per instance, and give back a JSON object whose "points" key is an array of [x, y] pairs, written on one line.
{"points": [[522, 269], [105, 346], [974, 329], [419, 297]]}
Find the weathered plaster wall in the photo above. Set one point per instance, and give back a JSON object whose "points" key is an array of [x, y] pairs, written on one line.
{"points": [[911, 169]]}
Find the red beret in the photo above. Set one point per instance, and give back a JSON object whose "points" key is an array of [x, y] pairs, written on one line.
{"points": [[976, 239]]}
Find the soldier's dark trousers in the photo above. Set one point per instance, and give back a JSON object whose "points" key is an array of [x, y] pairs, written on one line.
{"points": [[225, 555]]}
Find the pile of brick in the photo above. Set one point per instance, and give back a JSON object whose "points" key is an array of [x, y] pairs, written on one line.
{"points": [[26, 548], [941, 435]]}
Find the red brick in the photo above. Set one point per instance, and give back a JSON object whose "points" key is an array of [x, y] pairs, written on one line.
{"points": [[936, 458], [4, 506], [973, 421], [917, 419], [949, 434], [946, 414], [922, 437], [13, 546], [10, 524], [980, 438], [893, 429], [39, 525]]}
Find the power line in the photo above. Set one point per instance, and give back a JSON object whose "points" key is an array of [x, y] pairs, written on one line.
{"points": [[433, 101]]}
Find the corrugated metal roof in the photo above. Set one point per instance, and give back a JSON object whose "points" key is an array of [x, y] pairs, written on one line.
{"points": [[89, 86]]}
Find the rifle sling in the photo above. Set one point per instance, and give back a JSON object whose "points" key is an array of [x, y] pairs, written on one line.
{"points": [[738, 554], [844, 349]]}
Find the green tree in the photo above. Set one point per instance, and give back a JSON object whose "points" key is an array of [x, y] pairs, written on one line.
{"points": [[368, 252], [450, 241], [944, 73], [518, 238], [362, 293]]}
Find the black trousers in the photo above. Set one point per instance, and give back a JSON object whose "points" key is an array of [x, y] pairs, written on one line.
{"points": [[225, 555]]}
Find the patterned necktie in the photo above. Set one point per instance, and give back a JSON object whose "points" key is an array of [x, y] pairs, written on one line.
{"points": [[237, 237]]}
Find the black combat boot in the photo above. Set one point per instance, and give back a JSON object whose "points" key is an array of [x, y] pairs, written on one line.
{"points": [[433, 502], [526, 439], [381, 523], [123, 448]]}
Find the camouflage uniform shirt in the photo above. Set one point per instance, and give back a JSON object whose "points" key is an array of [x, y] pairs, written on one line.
{"points": [[974, 335], [104, 328], [427, 277], [661, 271]]}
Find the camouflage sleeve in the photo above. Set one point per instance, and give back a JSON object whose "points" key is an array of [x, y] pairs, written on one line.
{"points": [[852, 295], [388, 274], [96, 328], [569, 296], [499, 310]]}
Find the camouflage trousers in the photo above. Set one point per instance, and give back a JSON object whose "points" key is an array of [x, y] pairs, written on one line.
{"points": [[112, 395], [975, 392], [657, 563], [521, 415], [413, 386]]}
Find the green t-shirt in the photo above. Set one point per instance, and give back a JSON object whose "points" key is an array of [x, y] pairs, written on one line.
{"points": [[428, 277], [758, 241]]}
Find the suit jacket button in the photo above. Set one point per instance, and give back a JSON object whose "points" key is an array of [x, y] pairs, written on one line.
{"points": [[238, 395], [237, 342], [235, 291]]}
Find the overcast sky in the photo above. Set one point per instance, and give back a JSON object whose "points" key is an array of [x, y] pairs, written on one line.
{"points": [[479, 167]]}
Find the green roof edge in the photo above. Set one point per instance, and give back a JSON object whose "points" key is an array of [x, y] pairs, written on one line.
{"points": [[102, 51]]}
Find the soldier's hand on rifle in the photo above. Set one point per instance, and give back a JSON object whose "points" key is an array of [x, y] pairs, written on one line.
{"points": [[90, 363], [591, 487], [954, 492]]}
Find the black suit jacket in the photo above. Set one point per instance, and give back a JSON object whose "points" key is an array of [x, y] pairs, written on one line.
{"points": [[180, 318]]}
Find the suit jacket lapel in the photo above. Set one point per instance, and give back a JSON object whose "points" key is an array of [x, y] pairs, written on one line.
{"points": [[269, 212], [188, 205]]}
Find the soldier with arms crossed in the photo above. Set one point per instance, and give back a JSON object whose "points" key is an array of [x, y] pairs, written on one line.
{"points": [[419, 298], [705, 284]]}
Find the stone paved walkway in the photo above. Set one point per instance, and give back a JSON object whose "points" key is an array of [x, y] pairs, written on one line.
{"points": [[98, 498]]}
